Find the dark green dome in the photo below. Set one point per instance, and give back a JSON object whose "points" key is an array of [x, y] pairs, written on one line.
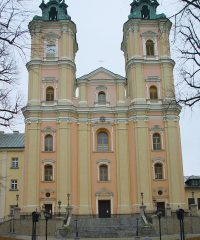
{"points": [[145, 9]]}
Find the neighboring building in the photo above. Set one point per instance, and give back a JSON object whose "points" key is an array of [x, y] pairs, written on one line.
{"points": [[114, 146], [192, 191], [11, 171]]}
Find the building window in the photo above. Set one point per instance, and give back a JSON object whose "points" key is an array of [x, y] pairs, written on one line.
{"points": [[190, 201], [150, 48], [101, 98], [103, 173], [14, 163], [48, 173], [48, 146], [158, 169], [13, 184], [156, 141], [102, 142], [198, 202], [50, 94], [153, 92]]}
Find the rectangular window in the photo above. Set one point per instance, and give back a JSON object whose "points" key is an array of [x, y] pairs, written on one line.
{"points": [[13, 184], [198, 202], [14, 163], [190, 201]]}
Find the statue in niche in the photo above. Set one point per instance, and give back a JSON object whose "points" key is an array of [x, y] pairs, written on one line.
{"points": [[145, 12], [53, 14]]}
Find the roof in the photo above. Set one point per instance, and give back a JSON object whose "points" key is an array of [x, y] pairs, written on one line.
{"points": [[192, 181], [11, 140]]}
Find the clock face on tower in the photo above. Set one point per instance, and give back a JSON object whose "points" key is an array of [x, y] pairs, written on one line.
{"points": [[50, 50]]}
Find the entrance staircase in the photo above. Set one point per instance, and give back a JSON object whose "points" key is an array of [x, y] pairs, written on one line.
{"points": [[114, 227], [118, 226]]}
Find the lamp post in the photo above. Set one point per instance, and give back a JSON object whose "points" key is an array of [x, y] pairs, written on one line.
{"points": [[76, 222], [46, 216], [17, 198], [142, 198], [59, 207], [180, 215], [159, 214], [137, 232], [68, 197], [193, 199]]}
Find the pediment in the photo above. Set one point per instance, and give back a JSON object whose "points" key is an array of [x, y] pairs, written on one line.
{"points": [[149, 34], [101, 74]]}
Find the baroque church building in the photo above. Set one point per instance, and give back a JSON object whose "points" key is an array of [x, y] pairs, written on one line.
{"points": [[115, 146]]}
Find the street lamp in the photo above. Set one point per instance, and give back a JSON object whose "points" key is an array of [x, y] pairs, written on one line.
{"points": [[193, 199], [137, 230], [76, 221], [68, 197], [59, 207], [142, 197], [180, 216], [46, 216], [17, 198], [159, 214]]}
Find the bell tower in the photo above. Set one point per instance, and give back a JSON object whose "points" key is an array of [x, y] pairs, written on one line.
{"points": [[50, 97], [146, 46], [153, 113]]}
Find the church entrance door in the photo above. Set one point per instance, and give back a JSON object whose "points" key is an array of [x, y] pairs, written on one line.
{"points": [[104, 208]]}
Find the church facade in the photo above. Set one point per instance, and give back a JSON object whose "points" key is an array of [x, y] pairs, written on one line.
{"points": [[115, 146]]}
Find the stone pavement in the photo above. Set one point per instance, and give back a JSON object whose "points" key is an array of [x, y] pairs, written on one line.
{"points": [[166, 237]]}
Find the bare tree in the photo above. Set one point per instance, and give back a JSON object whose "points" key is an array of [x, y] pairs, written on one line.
{"points": [[12, 43], [187, 35]]}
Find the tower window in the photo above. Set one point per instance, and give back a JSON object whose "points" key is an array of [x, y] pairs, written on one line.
{"points": [[150, 48], [50, 94], [156, 141], [158, 168], [48, 143], [48, 173], [103, 173], [145, 12], [101, 98], [102, 142], [15, 163], [53, 14], [153, 92], [13, 184]]}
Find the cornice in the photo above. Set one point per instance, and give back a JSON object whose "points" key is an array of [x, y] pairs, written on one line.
{"points": [[136, 60], [166, 108], [59, 62]]}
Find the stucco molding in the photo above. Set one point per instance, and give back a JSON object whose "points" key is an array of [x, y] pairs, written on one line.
{"points": [[103, 161], [48, 130], [46, 161], [158, 159], [156, 128], [104, 192]]}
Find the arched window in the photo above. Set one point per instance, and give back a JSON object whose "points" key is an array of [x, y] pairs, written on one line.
{"points": [[103, 173], [48, 173], [53, 14], [156, 141], [145, 12], [102, 142], [150, 48], [48, 145], [50, 94], [153, 92], [158, 169], [101, 98]]}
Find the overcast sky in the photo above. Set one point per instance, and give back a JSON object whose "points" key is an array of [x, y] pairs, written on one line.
{"points": [[99, 35]]}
